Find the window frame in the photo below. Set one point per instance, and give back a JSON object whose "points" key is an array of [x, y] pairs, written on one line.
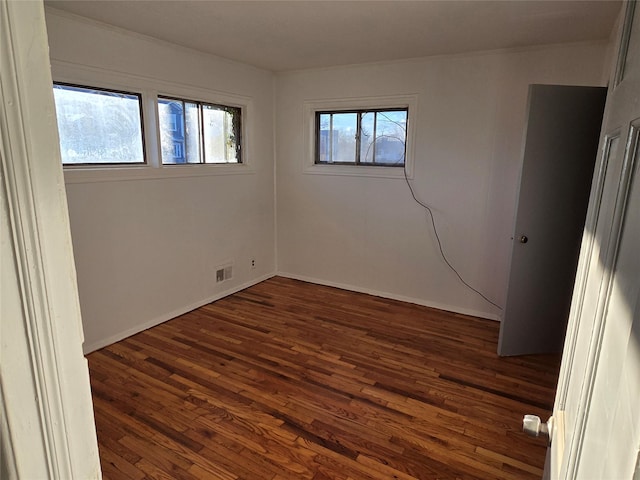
{"points": [[151, 88], [142, 127], [201, 136], [359, 114], [351, 104]]}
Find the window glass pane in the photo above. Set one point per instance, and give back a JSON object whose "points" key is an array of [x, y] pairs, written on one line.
{"points": [[171, 119], [367, 131], [179, 131], [193, 137], [343, 146], [391, 134], [221, 134], [97, 126], [324, 137]]}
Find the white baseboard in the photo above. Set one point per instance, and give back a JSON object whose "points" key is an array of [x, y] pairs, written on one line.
{"points": [[393, 296], [93, 346]]}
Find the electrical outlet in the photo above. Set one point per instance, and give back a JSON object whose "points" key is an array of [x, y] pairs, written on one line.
{"points": [[253, 263]]}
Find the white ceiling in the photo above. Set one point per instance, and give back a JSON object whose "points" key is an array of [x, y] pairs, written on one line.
{"points": [[289, 35]]}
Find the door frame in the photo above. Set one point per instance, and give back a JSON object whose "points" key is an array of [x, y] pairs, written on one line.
{"points": [[604, 293], [565, 453], [47, 425]]}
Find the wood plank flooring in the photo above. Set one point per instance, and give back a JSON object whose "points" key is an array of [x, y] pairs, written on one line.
{"points": [[290, 380]]}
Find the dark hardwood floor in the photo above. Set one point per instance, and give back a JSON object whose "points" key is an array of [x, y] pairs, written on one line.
{"points": [[290, 380]]}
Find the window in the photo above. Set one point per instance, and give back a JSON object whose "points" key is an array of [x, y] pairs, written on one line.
{"points": [[362, 137], [98, 126], [177, 150], [173, 122], [198, 132]]}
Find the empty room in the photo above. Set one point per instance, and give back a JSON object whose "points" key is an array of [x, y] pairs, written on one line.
{"points": [[320, 239]]}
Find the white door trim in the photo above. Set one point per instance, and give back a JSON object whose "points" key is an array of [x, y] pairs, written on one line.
{"points": [[586, 255], [595, 274], [49, 428], [604, 296]]}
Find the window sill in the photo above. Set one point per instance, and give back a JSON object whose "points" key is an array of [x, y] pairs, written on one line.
{"points": [[357, 171], [127, 173]]}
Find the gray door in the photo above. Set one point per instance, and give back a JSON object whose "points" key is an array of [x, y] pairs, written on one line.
{"points": [[560, 149]]}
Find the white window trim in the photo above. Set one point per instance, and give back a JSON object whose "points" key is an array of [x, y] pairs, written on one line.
{"points": [[150, 89], [358, 103]]}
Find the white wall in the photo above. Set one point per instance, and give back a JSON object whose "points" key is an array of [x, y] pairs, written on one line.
{"points": [[367, 233], [146, 249]]}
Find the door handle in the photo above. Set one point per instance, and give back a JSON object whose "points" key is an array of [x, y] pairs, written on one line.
{"points": [[534, 427], [524, 239]]}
